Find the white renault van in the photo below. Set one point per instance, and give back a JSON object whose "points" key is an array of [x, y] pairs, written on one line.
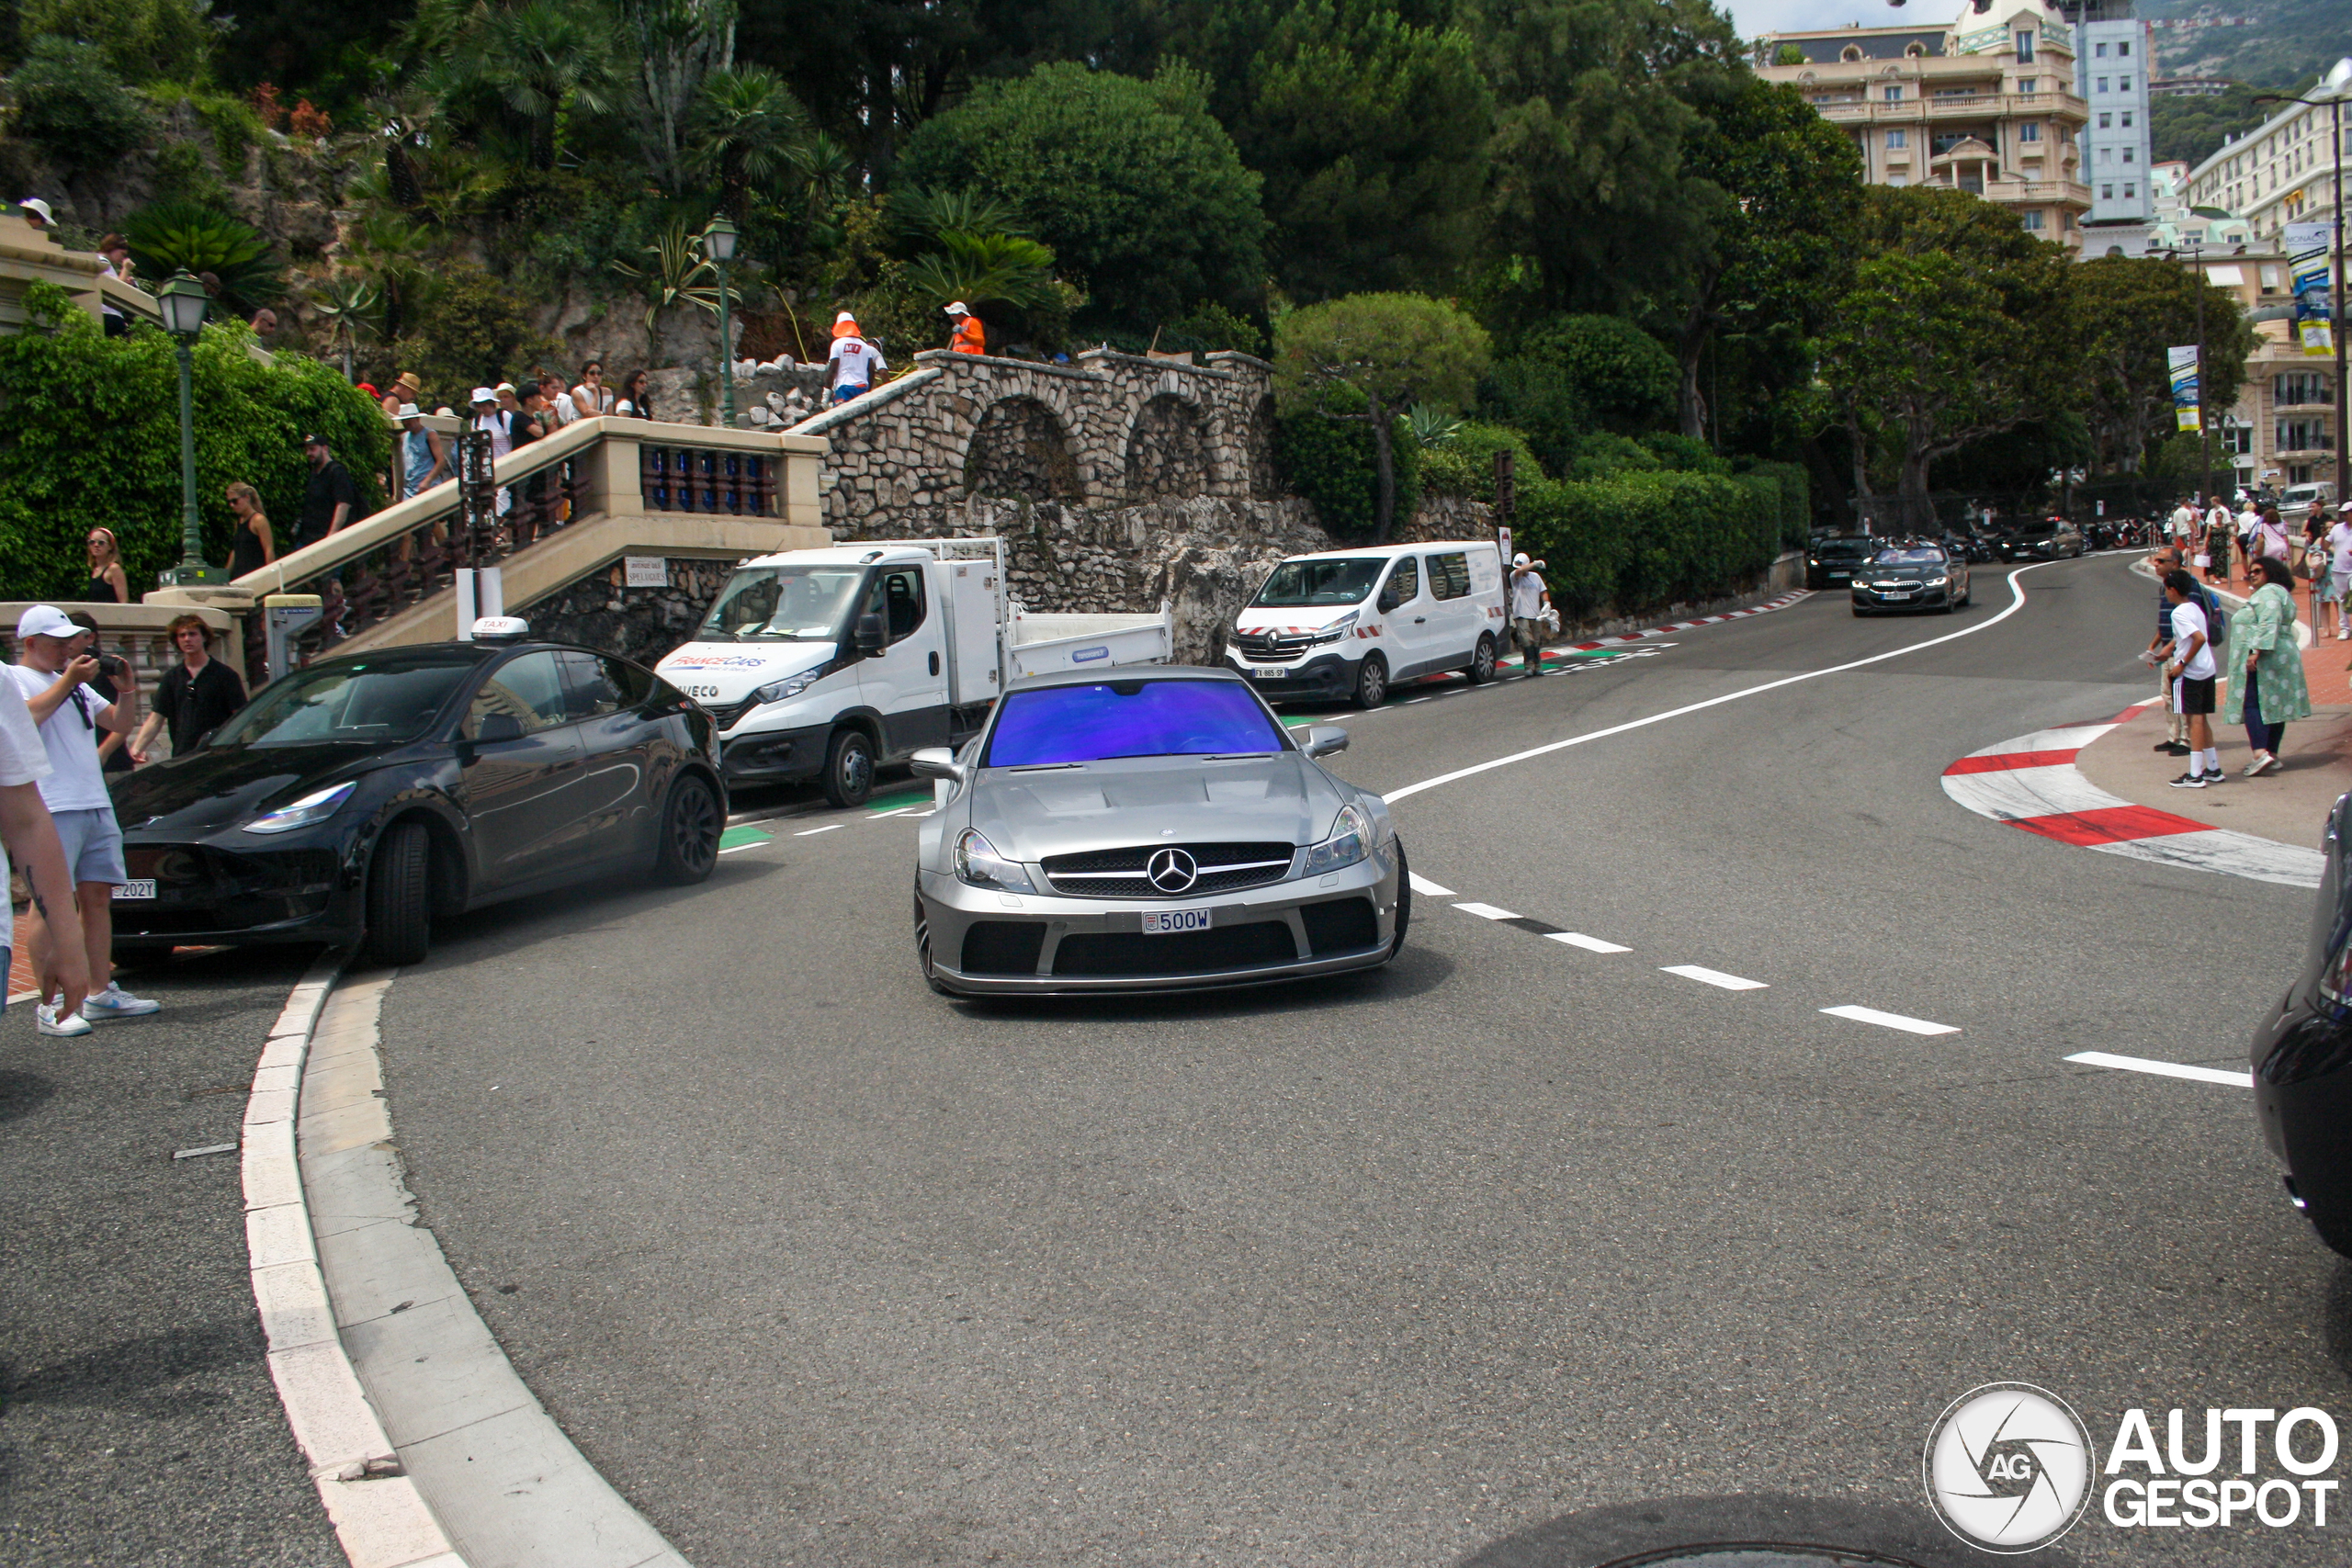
{"points": [[1351, 622]]}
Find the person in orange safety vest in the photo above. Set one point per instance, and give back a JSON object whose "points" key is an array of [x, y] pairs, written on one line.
{"points": [[969, 338]]}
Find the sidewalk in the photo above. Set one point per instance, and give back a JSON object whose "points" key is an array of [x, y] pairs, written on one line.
{"points": [[2323, 661], [2289, 805]]}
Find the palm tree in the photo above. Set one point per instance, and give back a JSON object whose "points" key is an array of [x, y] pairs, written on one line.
{"points": [[345, 301], [747, 129], [542, 59], [391, 251], [980, 267]]}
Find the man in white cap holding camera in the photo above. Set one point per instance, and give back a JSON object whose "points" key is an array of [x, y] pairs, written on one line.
{"points": [[53, 672], [1529, 598]]}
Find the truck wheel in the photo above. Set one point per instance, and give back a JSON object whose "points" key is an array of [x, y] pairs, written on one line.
{"points": [[1482, 664], [398, 903], [1372, 682], [690, 830], [848, 768]]}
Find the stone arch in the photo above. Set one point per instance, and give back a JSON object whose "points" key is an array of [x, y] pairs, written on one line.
{"points": [[1168, 456], [1021, 450]]}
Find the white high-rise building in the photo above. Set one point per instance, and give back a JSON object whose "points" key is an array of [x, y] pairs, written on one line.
{"points": [[2114, 55]]}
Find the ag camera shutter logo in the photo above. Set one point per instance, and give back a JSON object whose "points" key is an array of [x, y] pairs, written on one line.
{"points": [[2008, 1467]]}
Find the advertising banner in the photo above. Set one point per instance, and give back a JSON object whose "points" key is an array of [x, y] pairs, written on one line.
{"points": [[2183, 363], [2307, 262]]}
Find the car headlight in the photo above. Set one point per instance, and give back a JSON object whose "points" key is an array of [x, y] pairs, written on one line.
{"points": [[978, 865], [1938, 581], [1348, 841], [1338, 628], [790, 687], [311, 808]]}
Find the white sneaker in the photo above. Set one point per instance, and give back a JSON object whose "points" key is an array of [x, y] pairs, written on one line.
{"points": [[70, 1026], [116, 1002]]}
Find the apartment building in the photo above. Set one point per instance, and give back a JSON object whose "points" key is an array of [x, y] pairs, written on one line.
{"points": [[1987, 105], [2282, 173], [2282, 430], [2112, 58]]}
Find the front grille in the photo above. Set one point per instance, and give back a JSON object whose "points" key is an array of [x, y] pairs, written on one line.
{"points": [[1340, 925], [1133, 954], [1002, 947], [1119, 874], [1275, 645], [729, 713]]}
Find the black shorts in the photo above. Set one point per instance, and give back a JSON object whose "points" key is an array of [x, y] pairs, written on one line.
{"points": [[2193, 696]]}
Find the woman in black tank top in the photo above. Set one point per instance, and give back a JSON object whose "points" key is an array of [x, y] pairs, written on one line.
{"points": [[255, 547], [107, 584]]}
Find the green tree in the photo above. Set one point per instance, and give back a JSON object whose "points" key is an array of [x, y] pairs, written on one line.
{"points": [[1779, 234], [1370, 133], [473, 333], [1369, 358], [174, 236], [143, 40], [674, 47], [2192, 129], [746, 130], [1138, 191], [62, 378], [532, 65], [71, 106], [1591, 121], [2132, 311], [1577, 375]]}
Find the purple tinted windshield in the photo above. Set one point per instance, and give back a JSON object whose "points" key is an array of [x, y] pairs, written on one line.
{"points": [[1129, 718]]}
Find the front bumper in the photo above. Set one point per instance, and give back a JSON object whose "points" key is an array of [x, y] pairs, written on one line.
{"points": [[1317, 675], [775, 756], [1923, 599], [208, 894], [988, 943]]}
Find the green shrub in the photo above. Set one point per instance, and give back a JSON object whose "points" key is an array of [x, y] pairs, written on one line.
{"points": [[1464, 466], [1209, 328], [1685, 454], [236, 129], [1597, 454], [169, 236], [475, 330], [1580, 374], [93, 437], [74, 107], [182, 175], [1793, 487], [142, 40], [1636, 541], [1331, 463]]}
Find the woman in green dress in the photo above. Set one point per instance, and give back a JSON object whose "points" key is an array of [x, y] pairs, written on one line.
{"points": [[2266, 667]]}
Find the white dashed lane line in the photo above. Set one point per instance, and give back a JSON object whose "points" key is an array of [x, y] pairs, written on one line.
{"points": [[1590, 944], [1892, 1021], [812, 832], [2163, 1069], [1486, 911], [1426, 889], [1713, 977]]}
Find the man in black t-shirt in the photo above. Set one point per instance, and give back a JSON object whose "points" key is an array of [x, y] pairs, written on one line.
{"points": [[332, 499], [195, 697]]}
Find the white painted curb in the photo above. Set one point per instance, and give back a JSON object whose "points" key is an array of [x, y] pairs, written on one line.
{"points": [[379, 1515]]}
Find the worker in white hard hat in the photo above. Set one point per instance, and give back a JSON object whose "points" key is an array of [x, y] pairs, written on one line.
{"points": [[969, 338]]}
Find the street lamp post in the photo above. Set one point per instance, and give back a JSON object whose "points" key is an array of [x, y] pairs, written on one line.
{"points": [[2332, 92], [183, 301], [719, 244]]}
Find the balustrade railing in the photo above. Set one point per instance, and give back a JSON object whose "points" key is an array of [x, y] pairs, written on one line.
{"points": [[704, 479]]}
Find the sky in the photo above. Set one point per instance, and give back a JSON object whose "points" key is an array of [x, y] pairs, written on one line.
{"points": [[1754, 17]]}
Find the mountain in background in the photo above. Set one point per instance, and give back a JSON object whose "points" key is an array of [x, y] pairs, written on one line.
{"points": [[2193, 128], [2271, 43]]}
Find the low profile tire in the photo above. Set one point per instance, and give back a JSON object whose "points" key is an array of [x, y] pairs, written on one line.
{"points": [[1372, 682], [1404, 903], [923, 951], [848, 768], [400, 896], [690, 828], [1482, 664], [1859, 612]]}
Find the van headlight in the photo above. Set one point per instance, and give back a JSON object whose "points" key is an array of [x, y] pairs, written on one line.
{"points": [[978, 865], [1348, 841], [790, 687], [310, 810], [1337, 629]]}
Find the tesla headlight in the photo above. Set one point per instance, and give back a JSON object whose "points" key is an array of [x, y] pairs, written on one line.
{"points": [[1339, 628], [311, 808], [978, 865], [1348, 841], [790, 687]]}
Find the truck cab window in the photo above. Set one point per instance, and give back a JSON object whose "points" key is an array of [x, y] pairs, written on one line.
{"points": [[897, 597]]}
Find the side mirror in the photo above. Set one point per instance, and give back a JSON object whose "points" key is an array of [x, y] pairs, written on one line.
{"points": [[496, 727], [870, 638], [1324, 740], [1388, 600], [936, 762]]}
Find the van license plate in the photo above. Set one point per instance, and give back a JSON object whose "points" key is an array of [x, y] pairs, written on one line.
{"points": [[1264, 673], [1159, 923], [145, 889]]}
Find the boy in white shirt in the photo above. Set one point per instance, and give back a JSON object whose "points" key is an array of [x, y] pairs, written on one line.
{"points": [[2192, 670]]}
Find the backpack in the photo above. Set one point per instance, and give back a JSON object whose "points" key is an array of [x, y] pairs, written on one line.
{"points": [[2217, 624]]}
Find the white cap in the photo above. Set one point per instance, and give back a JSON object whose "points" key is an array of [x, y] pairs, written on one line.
{"points": [[956, 307], [481, 395], [500, 628], [44, 620], [35, 204], [1519, 560]]}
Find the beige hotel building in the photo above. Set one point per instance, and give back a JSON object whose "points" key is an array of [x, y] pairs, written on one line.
{"points": [[1987, 105]]}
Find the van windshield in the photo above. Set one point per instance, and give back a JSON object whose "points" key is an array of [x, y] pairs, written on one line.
{"points": [[782, 603], [1300, 582]]}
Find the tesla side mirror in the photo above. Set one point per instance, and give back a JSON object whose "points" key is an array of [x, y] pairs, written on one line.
{"points": [[493, 728], [1324, 740], [870, 638], [936, 762]]}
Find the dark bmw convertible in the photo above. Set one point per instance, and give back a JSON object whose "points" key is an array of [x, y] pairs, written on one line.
{"points": [[2303, 1056], [362, 797]]}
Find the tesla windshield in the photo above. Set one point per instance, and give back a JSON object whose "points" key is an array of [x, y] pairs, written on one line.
{"points": [[380, 701], [782, 603], [1129, 718], [1296, 583]]}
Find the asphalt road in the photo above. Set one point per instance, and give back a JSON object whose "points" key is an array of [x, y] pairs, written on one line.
{"points": [[138, 1422], [1515, 1242]]}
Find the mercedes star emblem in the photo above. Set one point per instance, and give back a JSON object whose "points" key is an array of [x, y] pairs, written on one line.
{"points": [[1172, 871]]}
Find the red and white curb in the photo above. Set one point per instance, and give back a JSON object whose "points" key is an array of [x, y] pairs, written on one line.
{"points": [[2032, 782], [1766, 608]]}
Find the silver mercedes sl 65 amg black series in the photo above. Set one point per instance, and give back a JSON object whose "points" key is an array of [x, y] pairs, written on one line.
{"points": [[1150, 830]]}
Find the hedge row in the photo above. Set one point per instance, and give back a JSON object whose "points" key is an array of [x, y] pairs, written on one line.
{"points": [[1644, 538]]}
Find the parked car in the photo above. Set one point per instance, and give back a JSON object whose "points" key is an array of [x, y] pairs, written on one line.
{"points": [[1912, 577], [1353, 622], [362, 797], [2052, 538], [1831, 560], [1153, 829], [2302, 1054], [2295, 503]]}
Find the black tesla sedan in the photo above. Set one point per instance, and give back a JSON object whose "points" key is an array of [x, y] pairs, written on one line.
{"points": [[362, 797], [2302, 1054]]}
